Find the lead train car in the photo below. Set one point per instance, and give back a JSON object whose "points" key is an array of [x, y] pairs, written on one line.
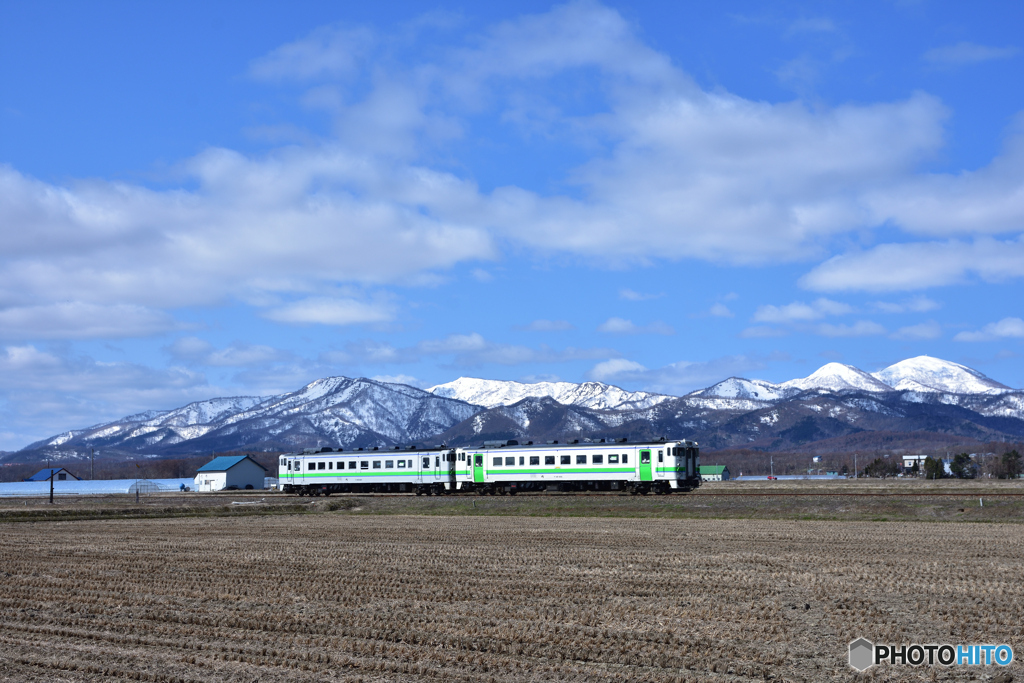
{"points": [[325, 471], [639, 468]]}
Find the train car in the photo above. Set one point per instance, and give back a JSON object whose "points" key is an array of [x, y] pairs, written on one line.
{"points": [[323, 471], [639, 468]]}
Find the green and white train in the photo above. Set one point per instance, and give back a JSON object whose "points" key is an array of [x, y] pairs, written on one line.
{"points": [[504, 467]]}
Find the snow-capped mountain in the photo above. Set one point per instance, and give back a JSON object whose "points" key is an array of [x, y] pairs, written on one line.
{"points": [[837, 377], [747, 389], [918, 395], [932, 375], [492, 393], [329, 411]]}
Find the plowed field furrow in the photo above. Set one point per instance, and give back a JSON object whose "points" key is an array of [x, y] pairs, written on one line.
{"points": [[392, 598]]}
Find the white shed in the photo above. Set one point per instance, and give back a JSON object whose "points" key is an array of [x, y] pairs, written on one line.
{"points": [[225, 472]]}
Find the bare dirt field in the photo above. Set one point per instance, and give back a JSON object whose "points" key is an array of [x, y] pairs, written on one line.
{"points": [[351, 595]]}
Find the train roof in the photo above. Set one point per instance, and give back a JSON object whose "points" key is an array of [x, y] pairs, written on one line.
{"points": [[394, 450], [576, 443]]}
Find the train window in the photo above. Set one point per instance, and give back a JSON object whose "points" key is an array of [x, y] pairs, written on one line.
{"points": [[496, 461], [312, 465], [549, 460], [426, 463], [661, 456], [613, 459], [510, 461], [352, 464], [462, 457], [364, 464], [409, 462], [598, 459], [534, 459], [376, 464], [437, 461], [322, 466], [289, 465], [401, 464], [330, 465], [283, 461], [645, 457], [479, 460], [625, 458], [566, 459], [581, 460], [521, 460], [389, 464]]}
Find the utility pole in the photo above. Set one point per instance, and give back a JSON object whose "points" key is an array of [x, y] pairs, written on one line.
{"points": [[771, 461], [92, 463], [856, 474], [51, 486]]}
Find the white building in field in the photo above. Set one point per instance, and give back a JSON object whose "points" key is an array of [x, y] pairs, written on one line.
{"points": [[230, 472]]}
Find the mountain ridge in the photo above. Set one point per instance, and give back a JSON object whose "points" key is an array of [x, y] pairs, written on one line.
{"points": [[834, 402]]}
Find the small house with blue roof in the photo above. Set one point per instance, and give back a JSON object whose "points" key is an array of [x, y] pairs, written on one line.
{"points": [[58, 473], [230, 472]]}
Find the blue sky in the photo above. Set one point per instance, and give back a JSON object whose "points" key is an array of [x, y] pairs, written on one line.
{"points": [[202, 199]]}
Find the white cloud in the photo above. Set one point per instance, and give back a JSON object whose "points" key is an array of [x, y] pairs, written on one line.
{"points": [[327, 311], [720, 310], [894, 267], [609, 370], [968, 53], [630, 295], [1007, 328], [623, 326], [917, 304], [925, 330], [195, 351], [78, 320], [549, 326], [408, 380], [329, 51], [762, 331], [45, 392], [861, 328], [798, 311], [677, 378]]}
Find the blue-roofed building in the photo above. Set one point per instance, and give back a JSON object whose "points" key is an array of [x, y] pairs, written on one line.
{"points": [[230, 472], [59, 474]]}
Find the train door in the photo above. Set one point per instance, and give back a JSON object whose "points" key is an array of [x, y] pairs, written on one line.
{"points": [[437, 468], [297, 473], [645, 466], [424, 468], [478, 468]]}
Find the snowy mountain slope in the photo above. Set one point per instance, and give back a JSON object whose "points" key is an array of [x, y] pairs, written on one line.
{"points": [[834, 403], [333, 410], [739, 388], [493, 393], [927, 374], [837, 377]]}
